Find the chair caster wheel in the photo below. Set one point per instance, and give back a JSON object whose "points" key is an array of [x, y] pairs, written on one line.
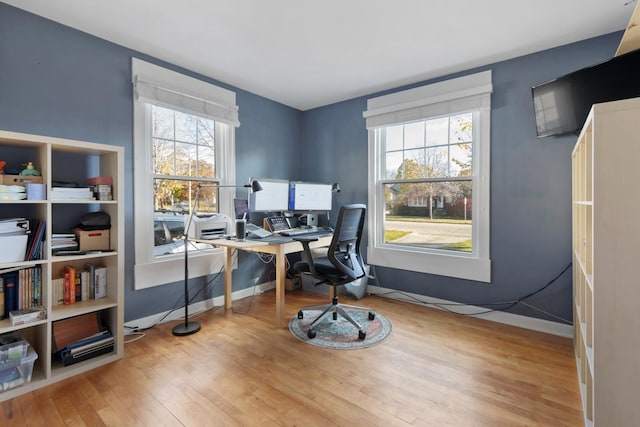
{"points": [[300, 314], [372, 315], [362, 335], [335, 316], [311, 334]]}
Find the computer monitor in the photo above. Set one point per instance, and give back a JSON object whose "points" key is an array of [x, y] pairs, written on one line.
{"points": [[309, 196], [274, 196]]}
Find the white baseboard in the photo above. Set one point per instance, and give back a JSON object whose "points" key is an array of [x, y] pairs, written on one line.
{"points": [[531, 323], [194, 309]]}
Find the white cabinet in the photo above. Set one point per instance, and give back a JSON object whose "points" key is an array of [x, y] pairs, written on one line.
{"points": [[68, 160], [606, 257]]}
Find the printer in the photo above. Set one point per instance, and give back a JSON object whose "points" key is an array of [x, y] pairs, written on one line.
{"points": [[207, 227]]}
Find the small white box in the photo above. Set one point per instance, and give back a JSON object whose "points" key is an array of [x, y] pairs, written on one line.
{"points": [[27, 315], [13, 247]]}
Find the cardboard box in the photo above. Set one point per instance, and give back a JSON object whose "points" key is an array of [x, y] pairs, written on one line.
{"points": [[21, 180], [94, 240], [292, 284], [13, 247]]}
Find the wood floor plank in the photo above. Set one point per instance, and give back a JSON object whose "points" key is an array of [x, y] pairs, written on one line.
{"points": [[436, 369]]}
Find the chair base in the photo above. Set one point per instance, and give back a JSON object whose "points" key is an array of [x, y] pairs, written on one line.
{"points": [[335, 309]]}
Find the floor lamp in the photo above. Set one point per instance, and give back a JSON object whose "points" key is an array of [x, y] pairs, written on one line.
{"points": [[188, 328]]}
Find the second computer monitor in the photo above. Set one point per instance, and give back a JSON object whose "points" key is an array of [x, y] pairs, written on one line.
{"points": [[309, 196]]}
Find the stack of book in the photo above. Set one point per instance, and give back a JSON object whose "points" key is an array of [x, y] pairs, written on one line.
{"points": [[101, 187], [71, 193], [12, 192], [20, 290], [62, 241], [79, 284]]}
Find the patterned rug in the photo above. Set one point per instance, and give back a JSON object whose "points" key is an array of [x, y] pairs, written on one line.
{"points": [[340, 334]]}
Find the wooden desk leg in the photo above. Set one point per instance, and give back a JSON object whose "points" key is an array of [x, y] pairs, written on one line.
{"points": [[281, 275], [228, 275]]}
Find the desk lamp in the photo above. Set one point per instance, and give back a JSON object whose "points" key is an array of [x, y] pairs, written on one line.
{"points": [[335, 188], [188, 328]]}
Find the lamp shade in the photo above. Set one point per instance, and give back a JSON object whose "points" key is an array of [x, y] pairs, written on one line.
{"points": [[255, 186]]}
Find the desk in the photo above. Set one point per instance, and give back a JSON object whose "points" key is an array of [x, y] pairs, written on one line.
{"points": [[280, 250]]}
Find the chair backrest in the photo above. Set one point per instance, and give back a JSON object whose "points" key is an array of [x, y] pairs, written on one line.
{"points": [[344, 250]]}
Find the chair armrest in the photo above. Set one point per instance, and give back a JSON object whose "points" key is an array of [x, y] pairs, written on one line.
{"points": [[306, 251]]}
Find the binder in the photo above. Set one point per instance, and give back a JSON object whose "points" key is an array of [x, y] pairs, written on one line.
{"points": [[10, 292], [14, 225], [95, 345]]}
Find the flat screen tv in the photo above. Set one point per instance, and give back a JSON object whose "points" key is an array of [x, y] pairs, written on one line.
{"points": [[562, 105]]}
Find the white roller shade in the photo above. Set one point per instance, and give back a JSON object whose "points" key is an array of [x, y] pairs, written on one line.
{"points": [[466, 93], [151, 84]]}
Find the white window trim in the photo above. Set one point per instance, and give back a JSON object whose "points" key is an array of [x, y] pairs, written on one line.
{"points": [[189, 95], [443, 98]]}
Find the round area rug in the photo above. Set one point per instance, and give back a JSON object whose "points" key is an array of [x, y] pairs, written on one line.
{"points": [[340, 334]]}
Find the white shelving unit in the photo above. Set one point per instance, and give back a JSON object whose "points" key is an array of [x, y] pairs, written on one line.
{"points": [[606, 248], [58, 159]]}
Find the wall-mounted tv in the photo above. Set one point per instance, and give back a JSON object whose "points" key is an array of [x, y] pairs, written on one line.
{"points": [[562, 105]]}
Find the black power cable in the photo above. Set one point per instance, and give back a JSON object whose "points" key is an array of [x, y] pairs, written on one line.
{"points": [[509, 304]]}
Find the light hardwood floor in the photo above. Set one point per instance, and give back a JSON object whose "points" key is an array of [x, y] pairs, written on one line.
{"points": [[436, 369]]}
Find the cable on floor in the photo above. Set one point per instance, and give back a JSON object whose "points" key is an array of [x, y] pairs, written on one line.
{"points": [[509, 304], [177, 306]]}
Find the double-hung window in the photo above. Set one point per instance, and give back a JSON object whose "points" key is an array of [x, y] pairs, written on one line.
{"points": [[429, 178], [183, 137]]}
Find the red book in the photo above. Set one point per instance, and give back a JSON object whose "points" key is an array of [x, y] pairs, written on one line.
{"points": [[67, 288], [71, 271]]}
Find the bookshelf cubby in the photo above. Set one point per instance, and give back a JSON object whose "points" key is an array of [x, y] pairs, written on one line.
{"points": [[63, 160], [606, 237]]}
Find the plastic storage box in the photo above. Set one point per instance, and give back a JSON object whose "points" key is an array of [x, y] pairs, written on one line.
{"points": [[17, 372], [12, 347]]}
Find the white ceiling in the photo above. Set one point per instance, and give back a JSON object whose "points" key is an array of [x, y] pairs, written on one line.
{"points": [[305, 54]]}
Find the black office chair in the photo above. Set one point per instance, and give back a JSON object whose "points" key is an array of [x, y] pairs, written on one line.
{"points": [[343, 264]]}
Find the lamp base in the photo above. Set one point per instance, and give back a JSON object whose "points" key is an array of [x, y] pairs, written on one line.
{"points": [[187, 328]]}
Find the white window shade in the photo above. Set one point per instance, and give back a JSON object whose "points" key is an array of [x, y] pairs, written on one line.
{"points": [[167, 88], [445, 98]]}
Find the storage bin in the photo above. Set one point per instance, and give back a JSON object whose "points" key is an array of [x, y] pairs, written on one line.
{"points": [[13, 374], [21, 180], [12, 347], [94, 240], [13, 247]]}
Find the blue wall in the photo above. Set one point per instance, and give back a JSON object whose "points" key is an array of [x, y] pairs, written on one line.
{"points": [[530, 183], [60, 82]]}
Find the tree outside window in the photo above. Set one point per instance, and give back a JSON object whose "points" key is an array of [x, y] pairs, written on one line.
{"points": [[428, 190]]}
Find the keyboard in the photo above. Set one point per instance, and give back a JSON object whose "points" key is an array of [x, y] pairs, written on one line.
{"points": [[299, 231], [273, 239]]}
